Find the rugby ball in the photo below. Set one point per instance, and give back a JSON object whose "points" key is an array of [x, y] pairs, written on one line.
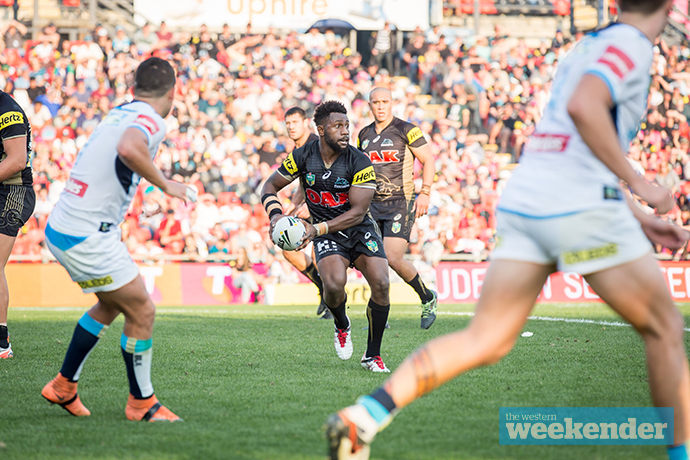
{"points": [[288, 233]]}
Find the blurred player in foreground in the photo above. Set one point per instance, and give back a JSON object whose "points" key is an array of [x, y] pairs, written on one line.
{"points": [[17, 197], [565, 209], [297, 125], [84, 235], [339, 182], [392, 146]]}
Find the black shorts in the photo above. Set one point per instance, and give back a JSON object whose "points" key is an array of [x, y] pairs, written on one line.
{"points": [[363, 239], [395, 218], [16, 206]]}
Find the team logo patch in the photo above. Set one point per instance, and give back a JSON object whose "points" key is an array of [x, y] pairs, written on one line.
{"points": [[290, 165], [365, 175], [148, 123], [387, 143], [376, 139], [617, 61], [414, 134], [310, 179], [97, 282], [326, 175], [373, 246], [397, 217], [612, 193], [11, 118], [395, 228], [585, 255], [365, 144], [341, 183]]}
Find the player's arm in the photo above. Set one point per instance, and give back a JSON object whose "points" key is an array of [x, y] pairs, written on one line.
{"points": [[133, 150], [590, 109], [15, 148], [269, 196], [657, 230], [426, 158]]}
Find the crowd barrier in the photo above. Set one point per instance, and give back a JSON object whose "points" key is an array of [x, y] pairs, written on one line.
{"points": [[202, 284]]}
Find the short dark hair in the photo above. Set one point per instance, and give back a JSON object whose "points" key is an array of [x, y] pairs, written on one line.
{"points": [[641, 6], [296, 111], [325, 109], [154, 77]]}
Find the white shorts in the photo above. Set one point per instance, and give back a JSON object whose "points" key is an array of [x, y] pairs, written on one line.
{"points": [[585, 242], [98, 263]]}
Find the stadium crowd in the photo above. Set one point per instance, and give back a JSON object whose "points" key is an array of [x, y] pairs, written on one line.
{"points": [[476, 100]]}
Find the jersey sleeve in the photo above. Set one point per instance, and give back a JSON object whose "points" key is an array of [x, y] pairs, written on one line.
{"points": [[153, 127], [363, 172], [414, 137], [12, 124], [623, 66], [289, 168]]}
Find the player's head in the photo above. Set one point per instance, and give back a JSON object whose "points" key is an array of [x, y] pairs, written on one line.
{"points": [[646, 7], [155, 80], [332, 123], [296, 122], [381, 103]]}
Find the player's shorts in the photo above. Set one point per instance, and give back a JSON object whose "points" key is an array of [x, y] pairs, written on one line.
{"points": [[97, 263], [16, 206], [395, 218], [363, 239], [585, 242]]}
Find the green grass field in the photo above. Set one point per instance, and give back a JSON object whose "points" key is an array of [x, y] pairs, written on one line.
{"points": [[258, 383]]}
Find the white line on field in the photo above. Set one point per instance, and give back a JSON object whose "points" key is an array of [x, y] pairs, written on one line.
{"points": [[299, 312]]}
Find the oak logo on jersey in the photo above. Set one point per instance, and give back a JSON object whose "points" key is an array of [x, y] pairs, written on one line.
{"points": [[310, 178], [76, 187], [290, 164], [365, 175], [148, 123], [617, 61], [11, 118], [384, 156], [414, 134], [327, 199]]}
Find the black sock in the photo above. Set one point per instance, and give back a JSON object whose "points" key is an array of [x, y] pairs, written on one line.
{"points": [[4, 342], [313, 274], [377, 316], [383, 398], [418, 285], [340, 316]]}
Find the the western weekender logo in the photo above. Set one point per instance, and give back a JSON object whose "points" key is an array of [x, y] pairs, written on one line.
{"points": [[586, 425]]}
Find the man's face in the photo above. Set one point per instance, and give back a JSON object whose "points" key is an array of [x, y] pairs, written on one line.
{"points": [[381, 105], [336, 132], [296, 126]]}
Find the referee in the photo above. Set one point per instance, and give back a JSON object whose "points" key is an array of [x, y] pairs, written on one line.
{"points": [[17, 198], [392, 145]]}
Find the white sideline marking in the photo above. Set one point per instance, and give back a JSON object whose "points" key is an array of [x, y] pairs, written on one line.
{"points": [[310, 313]]}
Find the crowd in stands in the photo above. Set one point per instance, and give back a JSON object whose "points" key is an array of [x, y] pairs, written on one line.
{"points": [[475, 99]]}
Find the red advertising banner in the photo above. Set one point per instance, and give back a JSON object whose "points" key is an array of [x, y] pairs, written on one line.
{"points": [[461, 282]]}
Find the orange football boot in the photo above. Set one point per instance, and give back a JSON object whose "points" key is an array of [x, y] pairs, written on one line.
{"points": [[149, 410], [62, 392]]}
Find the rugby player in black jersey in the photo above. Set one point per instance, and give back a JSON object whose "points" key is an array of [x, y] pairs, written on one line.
{"points": [[392, 145], [339, 183]]}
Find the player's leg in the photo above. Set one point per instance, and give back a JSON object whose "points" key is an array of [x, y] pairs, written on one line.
{"points": [[333, 269], [6, 244], [375, 270], [305, 264], [136, 343], [508, 294], [395, 248], [638, 292]]}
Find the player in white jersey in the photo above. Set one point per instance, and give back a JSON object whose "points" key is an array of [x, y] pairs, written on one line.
{"points": [[84, 235], [564, 209]]}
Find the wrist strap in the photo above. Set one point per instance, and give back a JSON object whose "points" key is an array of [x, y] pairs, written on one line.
{"points": [[426, 189], [271, 205], [321, 229]]}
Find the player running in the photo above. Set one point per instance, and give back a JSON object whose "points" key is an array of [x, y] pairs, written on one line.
{"points": [[83, 234], [564, 209], [17, 198], [339, 182], [297, 125], [392, 145]]}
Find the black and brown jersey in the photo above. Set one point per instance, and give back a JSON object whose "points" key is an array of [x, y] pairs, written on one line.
{"points": [[14, 123], [327, 190], [390, 154]]}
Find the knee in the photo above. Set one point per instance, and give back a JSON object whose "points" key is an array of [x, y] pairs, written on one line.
{"points": [[666, 325], [395, 262], [497, 353], [380, 288], [334, 284], [145, 315], [492, 348]]}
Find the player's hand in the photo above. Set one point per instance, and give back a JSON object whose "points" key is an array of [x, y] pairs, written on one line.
{"points": [[308, 236], [664, 233], [177, 190], [421, 206], [274, 220], [655, 195], [301, 211]]}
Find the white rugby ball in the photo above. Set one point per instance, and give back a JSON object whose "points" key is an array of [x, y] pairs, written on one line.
{"points": [[288, 233]]}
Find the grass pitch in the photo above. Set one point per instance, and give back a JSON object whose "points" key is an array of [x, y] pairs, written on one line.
{"points": [[258, 383]]}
